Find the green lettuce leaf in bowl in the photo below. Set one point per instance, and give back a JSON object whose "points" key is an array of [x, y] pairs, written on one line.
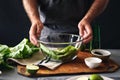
{"points": [[65, 54]]}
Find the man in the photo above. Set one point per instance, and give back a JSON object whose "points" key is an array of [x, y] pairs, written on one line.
{"points": [[65, 16]]}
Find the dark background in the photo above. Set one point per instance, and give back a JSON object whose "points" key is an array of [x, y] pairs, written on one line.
{"points": [[14, 24]]}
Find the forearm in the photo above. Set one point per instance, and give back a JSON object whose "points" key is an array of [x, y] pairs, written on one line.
{"points": [[31, 8], [96, 8]]}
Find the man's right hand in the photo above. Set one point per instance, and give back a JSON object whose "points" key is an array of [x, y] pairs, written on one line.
{"points": [[31, 8], [35, 31]]}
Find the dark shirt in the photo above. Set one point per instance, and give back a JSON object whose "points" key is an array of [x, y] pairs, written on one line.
{"points": [[63, 12]]}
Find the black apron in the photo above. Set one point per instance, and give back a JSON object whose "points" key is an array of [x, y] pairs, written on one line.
{"points": [[62, 15]]}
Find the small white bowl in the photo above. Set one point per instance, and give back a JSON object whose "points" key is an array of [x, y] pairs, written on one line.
{"points": [[101, 53], [92, 62]]}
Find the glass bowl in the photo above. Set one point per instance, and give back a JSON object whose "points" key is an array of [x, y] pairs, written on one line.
{"points": [[60, 46]]}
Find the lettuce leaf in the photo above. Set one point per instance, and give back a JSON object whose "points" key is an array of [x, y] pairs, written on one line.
{"points": [[23, 50], [4, 52], [64, 54]]}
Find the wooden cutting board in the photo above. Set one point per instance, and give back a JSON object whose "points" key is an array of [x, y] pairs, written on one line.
{"points": [[76, 66]]}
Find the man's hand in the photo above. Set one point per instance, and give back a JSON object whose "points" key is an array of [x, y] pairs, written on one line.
{"points": [[35, 32], [31, 8], [85, 31], [97, 7]]}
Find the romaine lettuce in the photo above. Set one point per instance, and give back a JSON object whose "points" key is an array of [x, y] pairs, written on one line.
{"points": [[23, 50]]}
